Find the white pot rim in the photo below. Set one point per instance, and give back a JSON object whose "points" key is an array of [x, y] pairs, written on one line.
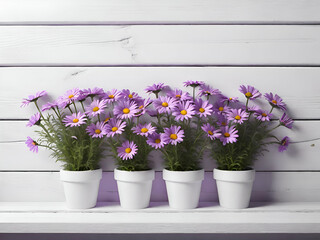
{"points": [[80, 176], [183, 176], [134, 176], [234, 176]]}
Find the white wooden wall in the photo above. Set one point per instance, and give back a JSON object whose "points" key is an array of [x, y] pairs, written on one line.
{"points": [[60, 44]]}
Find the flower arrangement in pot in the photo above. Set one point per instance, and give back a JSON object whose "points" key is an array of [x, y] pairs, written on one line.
{"points": [[71, 127], [240, 133], [179, 117], [127, 132]]}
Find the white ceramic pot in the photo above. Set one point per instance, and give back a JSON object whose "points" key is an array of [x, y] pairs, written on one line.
{"points": [[183, 188], [81, 188], [234, 187], [134, 188]]}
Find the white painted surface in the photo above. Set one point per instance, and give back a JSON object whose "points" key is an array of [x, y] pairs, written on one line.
{"points": [[160, 44], [269, 186], [210, 218], [165, 11], [299, 87]]}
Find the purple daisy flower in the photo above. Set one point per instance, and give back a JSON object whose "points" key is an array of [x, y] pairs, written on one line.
{"points": [[229, 135], [111, 96], [152, 112], [211, 131], [69, 97], [125, 94], [33, 98], [96, 107], [173, 135], [252, 109], [203, 108], [165, 104], [250, 92], [263, 115], [206, 90], [93, 92], [184, 110], [237, 115], [275, 101], [75, 120], [49, 106], [193, 83], [97, 130], [220, 108], [125, 109], [286, 121], [127, 150], [143, 107], [156, 141], [34, 120], [179, 95], [144, 129], [228, 100], [155, 88], [284, 143], [222, 120], [106, 117], [32, 145], [115, 126]]}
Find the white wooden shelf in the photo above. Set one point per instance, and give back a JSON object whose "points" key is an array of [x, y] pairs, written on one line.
{"points": [[54, 217]]}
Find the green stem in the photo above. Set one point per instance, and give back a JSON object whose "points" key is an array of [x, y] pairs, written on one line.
{"points": [[70, 109], [82, 106], [75, 106], [39, 110]]}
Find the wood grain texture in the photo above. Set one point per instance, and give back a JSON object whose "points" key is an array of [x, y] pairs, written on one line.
{"points": [[268, 187], [209, 218], [160, 45], [297, 86], [300, 156], [163, 12]]}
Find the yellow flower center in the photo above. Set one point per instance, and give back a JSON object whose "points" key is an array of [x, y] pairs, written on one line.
{"points": [[207, 92], [221, 109], [210, 133], [173, 136], [227, 134], [126, 110], [201, 110], [33, 143], [128, 150], [144, 130], [248, 94], [237, 117], [75, 120], [111, 96], [157, 140], [274, 101], [264, 115], [183, 112], [95, 109], [141, 107], [284, 143], [165, 104], [230, 98], [71, 96], [107, 119], [114, 129], [97, 131], [178, 96], [130, 96]]}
